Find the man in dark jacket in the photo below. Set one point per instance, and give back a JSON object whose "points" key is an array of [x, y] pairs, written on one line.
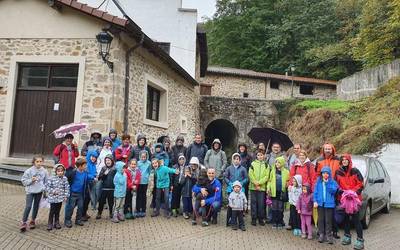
{"points": [[196, 149], [141, 144], [95, 143], [178, 148]]}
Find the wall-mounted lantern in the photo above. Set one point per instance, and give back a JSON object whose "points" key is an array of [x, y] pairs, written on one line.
{"points": [[104, 39]]}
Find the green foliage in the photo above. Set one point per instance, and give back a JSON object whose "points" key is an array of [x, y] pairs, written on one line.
{"points": [[334, 105]]}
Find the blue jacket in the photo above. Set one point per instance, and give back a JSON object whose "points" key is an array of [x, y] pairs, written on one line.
{"points": [[119, 180], [214, 192], [162, 173], [162, 155], [145, 168], [330, 190], [233, 174], [91, 167]]}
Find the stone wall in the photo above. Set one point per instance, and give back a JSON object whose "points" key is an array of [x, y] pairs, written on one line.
{"points": [[365, 83], [236, 86]]}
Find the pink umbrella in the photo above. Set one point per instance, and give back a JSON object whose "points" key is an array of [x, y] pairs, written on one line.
{"points": [[350, 202], [69, 128]]}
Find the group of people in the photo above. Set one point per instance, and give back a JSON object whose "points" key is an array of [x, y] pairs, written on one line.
{"points": [[111, 170]]}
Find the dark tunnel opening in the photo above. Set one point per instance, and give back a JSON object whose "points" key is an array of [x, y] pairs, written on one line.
{"points": [[226, 132]]}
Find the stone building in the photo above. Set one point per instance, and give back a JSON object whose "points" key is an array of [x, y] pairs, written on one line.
{"points": [[241, 83], [51, 74]]}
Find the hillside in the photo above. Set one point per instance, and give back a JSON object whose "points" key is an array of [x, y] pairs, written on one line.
{"points": [[355, 127]]}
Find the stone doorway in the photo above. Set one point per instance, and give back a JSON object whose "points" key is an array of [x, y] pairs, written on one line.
{"points": [[226, 132]]}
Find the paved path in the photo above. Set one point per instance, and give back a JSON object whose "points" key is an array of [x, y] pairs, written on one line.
{"points": [[160, 233]]}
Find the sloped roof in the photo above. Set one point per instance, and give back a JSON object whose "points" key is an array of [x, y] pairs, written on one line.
{"points": [[263, 75], [134, 30]]}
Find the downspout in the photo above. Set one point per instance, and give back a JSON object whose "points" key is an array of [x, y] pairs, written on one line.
{"points": [[127, 67]]}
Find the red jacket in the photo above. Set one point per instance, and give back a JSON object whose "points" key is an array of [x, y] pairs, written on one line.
{"points": [[120, 151], [332, 161], [129, 182], [349, 179], [306, 170], [61, 152]]}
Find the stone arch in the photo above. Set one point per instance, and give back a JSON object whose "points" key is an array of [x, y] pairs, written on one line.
{"points": [[225, 131]]}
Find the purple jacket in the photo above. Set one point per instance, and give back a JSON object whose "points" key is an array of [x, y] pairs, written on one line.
{"points": [[305, 204]]}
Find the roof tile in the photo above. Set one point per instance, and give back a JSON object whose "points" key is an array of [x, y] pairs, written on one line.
{"points": [[87, 9]]}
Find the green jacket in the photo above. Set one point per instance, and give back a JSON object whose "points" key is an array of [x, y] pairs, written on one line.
{"points": [[271, 186], [259, 172]]}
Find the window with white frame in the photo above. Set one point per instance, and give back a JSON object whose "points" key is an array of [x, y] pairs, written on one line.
{"points": [[156, 103]]}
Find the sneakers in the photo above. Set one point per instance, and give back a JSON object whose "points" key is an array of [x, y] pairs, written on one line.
{"points": [[304, 236], [121, 217], [204, 224], [297, 232], [68, 223], [280, 226], [32, 224], [253, 222], [85, 217], [194, 223], [336, 235], [186, 216], [243, 228], [155, 214], [275, 226], [49, 227], [261, 222], [115, 218], [359, 245], [289, 227], [214, 221], [321, 238], [98, 216], [330, 240], [346, 240], [57, 225], [23, 227], [128, 216], [174, 213], [79, 223], [310, 237], [235, 227]]}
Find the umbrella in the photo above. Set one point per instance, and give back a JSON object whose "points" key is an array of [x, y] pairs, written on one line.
{"points": [[270, 135], [68, 128]]}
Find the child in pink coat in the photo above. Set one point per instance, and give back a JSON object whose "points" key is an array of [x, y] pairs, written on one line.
{"points": [[305, 208]]}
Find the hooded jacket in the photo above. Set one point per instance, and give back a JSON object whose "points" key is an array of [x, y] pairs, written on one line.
{"points": [[332, 161], [237, 201], [103, 153], [306, 170], [133, 177], [168, 150], [137, 148], [216, 159], [61, 153], [177, 178], [235, 173], [163, 173], [305, 202], [144, 168], [349, 178], [116, 142], [271, 158], [196, 150], [57, 188], [324, 192], [187, 184], [37, 186], [123, 150], [246, 158], [91, 166], [271, 186], [214, 189], [178, 149], [259, 173], [92, 144], [119, 180], [295, 192], [107, 175], [162, 155]]}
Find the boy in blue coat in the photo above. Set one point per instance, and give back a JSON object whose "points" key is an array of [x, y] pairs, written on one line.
{"points": [[324, 199]]}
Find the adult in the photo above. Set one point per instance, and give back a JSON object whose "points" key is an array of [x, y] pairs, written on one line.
{"points": [[66, 152], [304, 167], [295, 156], [141, 144], [245, 161], [216, 158], [94, 143], [349, 178], [116, 142], [276, 151], [260, 147], [210, 200], [328, 158], [123, 152], [178, 148], [196, 149], [168, 149]]}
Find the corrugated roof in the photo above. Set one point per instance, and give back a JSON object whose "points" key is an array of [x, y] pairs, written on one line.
{"points": [[263, 75]]}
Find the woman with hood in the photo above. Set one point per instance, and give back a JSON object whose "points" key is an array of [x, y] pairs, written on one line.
{"points": [[144, 166], [245, 161], [106, 175], [141, 144], [113, 135], [91, 159], [216, 158], [167, 148], [178, 148], [304, 167], [350, 178]]}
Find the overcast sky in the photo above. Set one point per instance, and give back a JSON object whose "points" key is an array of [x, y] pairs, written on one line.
{"points": [[204, 7]]}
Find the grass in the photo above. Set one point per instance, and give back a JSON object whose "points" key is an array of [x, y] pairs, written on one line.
{"points": [[333, 105]]}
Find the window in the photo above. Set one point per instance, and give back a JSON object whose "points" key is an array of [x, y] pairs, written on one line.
{"points": [[273, 84], [306, 89], [183, 125], [153, 104], [373, 171], [380, 169], [48, 76], [165, 46], [246, 95]]}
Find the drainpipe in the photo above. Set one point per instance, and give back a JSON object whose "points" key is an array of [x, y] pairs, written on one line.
{"points": [[127, 66]]}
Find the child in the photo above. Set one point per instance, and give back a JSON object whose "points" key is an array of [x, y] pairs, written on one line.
{"points": [[176, 185], [132, 182], [106, 176], [34, 180], [78, 181], [294, 194], [277, 189], [57, 189], [233, 173], [195, 167], [144, 166], [91, 159], [237, 202], [162, 186], [324, 199], [187, 183], [258, 175], [304, 208], [160, 154], [105, 151], [119, 192]]}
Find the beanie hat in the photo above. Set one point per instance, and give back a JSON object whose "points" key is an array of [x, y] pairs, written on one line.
{"points": [[237, 183]]}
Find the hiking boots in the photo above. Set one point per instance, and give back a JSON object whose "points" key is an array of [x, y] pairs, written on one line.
{"points": [[359, 245], [346, 240]]}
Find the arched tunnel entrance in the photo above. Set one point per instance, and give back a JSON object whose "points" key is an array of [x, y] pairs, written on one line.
{"points": [[226, 132]]}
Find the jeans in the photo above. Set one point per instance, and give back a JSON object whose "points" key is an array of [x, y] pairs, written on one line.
{"points": [[187, 205], [257, 205], [325, 221], [75, 199], [54, 215], [162, 193], [355, 220], [106, 195], [95, 191], [35, 199], [294, 219], [118, 205], [237, 215], [141, 198], [306, 227]]}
